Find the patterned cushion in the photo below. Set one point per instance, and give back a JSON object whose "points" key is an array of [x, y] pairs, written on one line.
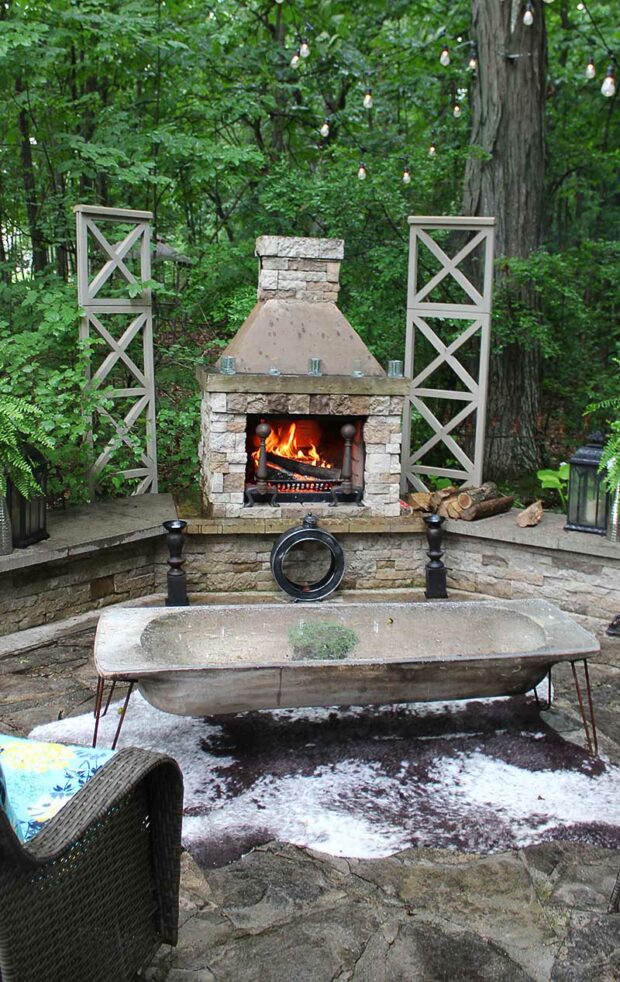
{"points": [[42, 777], [5, 804]]}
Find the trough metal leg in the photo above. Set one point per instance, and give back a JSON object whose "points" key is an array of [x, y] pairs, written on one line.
{"points": [[591, 737], [109, 699], [614, 900], [544, 706], [97, 709], [122, 719]]}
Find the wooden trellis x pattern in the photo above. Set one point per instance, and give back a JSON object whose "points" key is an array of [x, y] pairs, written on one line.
{"points": [[475, 308], [139, 395]]}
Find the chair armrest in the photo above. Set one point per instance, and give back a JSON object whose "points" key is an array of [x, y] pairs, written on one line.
{"points": [[108, 789]]}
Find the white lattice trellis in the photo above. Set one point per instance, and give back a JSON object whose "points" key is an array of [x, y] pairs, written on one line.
{"points": [[133, 427], [475, 308]]}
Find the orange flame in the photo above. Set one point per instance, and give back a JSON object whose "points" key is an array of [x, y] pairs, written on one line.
{"points": [[283, 442]]}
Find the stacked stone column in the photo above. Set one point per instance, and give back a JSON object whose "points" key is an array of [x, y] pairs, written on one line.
{"points": [[299, 268]]}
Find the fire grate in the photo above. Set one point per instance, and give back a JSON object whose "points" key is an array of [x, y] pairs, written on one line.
{"points": [[306, 487]]}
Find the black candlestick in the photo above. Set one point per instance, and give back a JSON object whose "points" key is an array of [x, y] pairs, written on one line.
{"points": [[262, 431], [177, 580], [347, 433], [435, 569]]}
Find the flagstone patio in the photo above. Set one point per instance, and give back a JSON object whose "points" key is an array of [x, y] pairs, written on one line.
{"points": [[282, 912]]}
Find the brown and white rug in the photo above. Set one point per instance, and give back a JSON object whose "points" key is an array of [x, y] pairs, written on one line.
{"points": [[479, 776]]}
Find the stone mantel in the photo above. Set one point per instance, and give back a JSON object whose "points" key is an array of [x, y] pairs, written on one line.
{"points": [[301, 384]]}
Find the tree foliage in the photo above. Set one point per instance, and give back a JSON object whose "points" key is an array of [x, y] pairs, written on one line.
{"points": [[192, 109]]}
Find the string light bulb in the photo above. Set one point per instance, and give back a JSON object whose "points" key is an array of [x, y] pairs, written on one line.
{"points": [[367, 99], [608, 88], [304, 48], [295, 60], [432, 150], [406, 176], [361, 173], [444, 57], [280, 1], [324, 131], [456, 110], [472, 64], [528, 16], [590, 69]]}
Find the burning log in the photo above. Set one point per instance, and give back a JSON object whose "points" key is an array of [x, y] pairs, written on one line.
{"points": [[302, 468]]}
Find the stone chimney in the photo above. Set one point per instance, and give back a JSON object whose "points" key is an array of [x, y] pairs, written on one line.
{"points": [[296, 316], [299, 268]]}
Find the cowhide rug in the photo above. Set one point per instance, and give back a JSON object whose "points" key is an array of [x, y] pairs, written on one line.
{"points": [[366, 782]]}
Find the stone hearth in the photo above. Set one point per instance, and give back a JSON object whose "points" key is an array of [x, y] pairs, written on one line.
{"points": [[228, 399]]}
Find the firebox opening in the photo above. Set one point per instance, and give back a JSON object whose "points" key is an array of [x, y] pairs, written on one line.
{"points": [[305, 454]]}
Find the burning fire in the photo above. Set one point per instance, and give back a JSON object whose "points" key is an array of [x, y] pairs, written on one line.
{"points": [[283, 442]]}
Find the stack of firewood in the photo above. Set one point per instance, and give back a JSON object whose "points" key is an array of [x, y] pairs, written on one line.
{"points": [[465, 503]]}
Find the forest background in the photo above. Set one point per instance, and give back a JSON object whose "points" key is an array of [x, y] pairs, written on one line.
{"points": [[193, 110]]}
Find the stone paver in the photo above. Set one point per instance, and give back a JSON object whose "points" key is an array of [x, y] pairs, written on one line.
{"points": [[284, 913]]}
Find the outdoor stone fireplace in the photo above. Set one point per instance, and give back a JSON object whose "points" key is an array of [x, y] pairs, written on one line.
{"points": [[332, 438]]}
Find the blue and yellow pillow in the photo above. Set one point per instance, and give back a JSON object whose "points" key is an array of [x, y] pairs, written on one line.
{"points": [[39, 778], [5, 803]]}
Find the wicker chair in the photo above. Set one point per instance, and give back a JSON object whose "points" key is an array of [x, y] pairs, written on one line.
{"points": [[94, 894]]}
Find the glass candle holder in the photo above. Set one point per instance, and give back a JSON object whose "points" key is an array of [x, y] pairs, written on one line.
{"points": [[314, 366], [274, 368], [395, 369], [228, 365], [357, 371]]}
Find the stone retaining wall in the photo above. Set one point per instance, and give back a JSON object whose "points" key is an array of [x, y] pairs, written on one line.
{"points": [[52, 591], [230, 556], [584, 585], [238, 563]]}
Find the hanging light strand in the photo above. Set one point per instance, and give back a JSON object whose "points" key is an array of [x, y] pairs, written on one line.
{"points": [[608, 88]]}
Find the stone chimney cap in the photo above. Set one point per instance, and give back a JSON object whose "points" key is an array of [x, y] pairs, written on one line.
{"points": [[299, 248]]}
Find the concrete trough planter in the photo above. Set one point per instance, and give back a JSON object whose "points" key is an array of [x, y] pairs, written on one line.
{"points": [[220, 659]]}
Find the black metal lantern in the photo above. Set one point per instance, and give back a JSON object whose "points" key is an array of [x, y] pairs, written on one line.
{"points": [[588, 501], [29, 515]]}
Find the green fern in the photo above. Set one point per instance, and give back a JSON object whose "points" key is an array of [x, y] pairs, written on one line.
{"points": [[610, 459], [21, 424]]}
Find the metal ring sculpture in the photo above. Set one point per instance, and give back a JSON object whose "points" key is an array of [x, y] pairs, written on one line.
{"points": [[307, 532]]}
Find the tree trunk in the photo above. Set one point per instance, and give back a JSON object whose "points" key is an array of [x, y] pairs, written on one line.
{"points": [[39, 250], [508, 123]]}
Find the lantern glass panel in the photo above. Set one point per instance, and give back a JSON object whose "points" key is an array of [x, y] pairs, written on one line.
{"points": [[587, 500]]}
